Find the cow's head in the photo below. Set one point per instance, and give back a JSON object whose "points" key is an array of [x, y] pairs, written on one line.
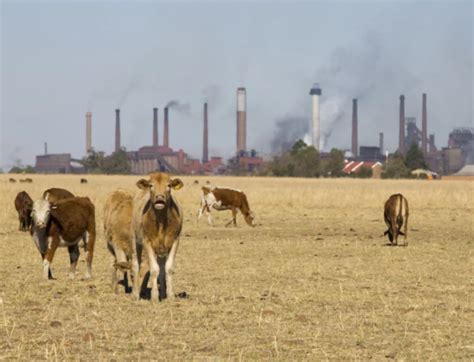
{"points": [[159, 185], [250, 218], [41, 213]]}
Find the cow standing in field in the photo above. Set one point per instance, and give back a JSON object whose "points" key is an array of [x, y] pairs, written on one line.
{"points": [[83, 181], [157, 224], [24, 206], [220, 198], [55, 194], [118, 211], [396, 218], [64, 222]]}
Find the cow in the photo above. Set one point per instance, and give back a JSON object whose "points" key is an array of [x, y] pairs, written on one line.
{"points": [[55, 194], [11, 180], [196, 182], [118, 210], [396, 217], [27, 180], [83, 181], [64, 222], [157, 224], [24, 206], [221, 198]]}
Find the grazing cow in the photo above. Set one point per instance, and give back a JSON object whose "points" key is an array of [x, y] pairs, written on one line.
{"points": [[83, 181], [27, 180], [157, 223], [396, 218], [64, 222], [196, 182], [24, 206], [221, 198], [55, 194], [118, 210], [12, 180], [208, 182]]}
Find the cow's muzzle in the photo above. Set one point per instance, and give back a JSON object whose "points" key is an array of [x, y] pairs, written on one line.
{"points": [[160, 202]]}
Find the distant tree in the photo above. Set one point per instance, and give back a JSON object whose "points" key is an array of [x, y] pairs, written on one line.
{"points": [[333, 165], [395, 167], [20, 169], [301, 161], [117, 163], [364, 172], [414, 158], [94, 161]]}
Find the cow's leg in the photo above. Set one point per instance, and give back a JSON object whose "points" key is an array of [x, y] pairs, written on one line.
{"points": [[90, 245], [73, 258], [120, 257], [154, 270], [48, 258], [405, 229], [135, 276], [234, 218], [170, 267]]}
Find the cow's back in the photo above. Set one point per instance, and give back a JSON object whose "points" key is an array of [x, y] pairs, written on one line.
{"points": [[55, 194], [229, 197], [73, 216]]}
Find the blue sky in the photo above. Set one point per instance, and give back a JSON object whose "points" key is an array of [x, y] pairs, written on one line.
{"points": [[62, 59]]}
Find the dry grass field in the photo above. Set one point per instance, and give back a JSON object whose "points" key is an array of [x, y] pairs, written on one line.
{"points": [[314, 280]]}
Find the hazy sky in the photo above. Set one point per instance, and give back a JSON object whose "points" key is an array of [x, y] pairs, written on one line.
{"points": [[61, 59]]}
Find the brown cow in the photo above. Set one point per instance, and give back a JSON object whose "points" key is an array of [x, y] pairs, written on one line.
{"points": [[118, 210], [221, 198], [157, 223], [83, 181], [55, 194], [64, 222], [396, 218], [24, 206], [12, 180]]}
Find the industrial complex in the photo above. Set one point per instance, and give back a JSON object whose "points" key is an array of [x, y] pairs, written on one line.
{"points": [[156, 156]]}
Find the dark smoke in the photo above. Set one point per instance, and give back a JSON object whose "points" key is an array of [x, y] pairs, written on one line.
{"points": [[176, 105], [289, 129], [132, 86]]}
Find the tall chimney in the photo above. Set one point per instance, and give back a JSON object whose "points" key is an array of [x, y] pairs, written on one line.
{"points": [[401, 140], [241, 119], [46, 148], [381, 142], [315, 93], [354, 128], [117, 130], [166, 141], [205, 145], [424, 130], [155, 127], [88, 132]]}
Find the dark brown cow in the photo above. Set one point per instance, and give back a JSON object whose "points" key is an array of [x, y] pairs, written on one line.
{"points": [[55, 194], [221, 198], [64, 222], [24, 206], [12, 180], [396, 218], [83, 181]]}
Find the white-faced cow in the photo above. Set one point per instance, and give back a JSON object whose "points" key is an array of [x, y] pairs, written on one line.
{"points": [[24, 206], [396, 218], [64, 222], [157, 223], [220, 198], [118, 211]]}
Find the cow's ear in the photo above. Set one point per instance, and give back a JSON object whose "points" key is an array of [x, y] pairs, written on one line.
{"points": [[143, 184], [176, 184]]}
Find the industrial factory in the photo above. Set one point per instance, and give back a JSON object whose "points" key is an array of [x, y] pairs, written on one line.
{"points": [[161, 156], [149, 158]]}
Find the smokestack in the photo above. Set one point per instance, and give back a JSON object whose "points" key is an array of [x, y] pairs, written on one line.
{"points": [[166, 141], [88, 132], [315, 93], [117, 130], [155, 127], [354, 128], [46, 148], [205, 150], [241, 119], [424, 130], [381, 142], [401, 141]]}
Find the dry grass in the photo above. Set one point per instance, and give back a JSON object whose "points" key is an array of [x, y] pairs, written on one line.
{"points": [[312, 281]]}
